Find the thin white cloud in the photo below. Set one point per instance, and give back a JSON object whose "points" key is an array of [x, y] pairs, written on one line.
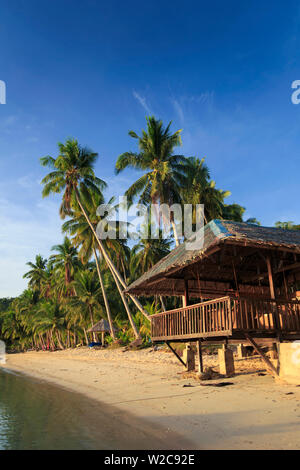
{"points": [[178, 109], [26, 182], [9, 120], [142, 101]]}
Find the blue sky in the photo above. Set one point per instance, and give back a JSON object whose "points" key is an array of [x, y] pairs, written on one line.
{"points": [[221, 71]]}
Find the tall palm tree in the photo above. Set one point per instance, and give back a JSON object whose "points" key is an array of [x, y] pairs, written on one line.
{"points": [[163, 170], [87, 297], [146, 253], [73, 173], [50, 319], [38, 272], [79, 228], [200, 189], [66, 261]]}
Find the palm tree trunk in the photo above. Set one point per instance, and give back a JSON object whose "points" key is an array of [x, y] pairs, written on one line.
{"points": [[86, 338], [133, 325], [177, 244], [162, 303], [108, 312], [121, 281], [110, 264], [92, 322], [42, 341], [58, 340], [175, 233], [52, 340]]}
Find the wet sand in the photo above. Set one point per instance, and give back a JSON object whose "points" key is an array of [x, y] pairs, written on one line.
{"points": [[147, 389]]}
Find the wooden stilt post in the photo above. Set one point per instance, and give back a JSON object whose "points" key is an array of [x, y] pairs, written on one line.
{"points": [[186, 293], [199, 355], [272, 291]]}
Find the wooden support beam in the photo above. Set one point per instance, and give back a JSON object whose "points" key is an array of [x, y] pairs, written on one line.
{"points": [[287, 268], [271, 280], [259, 351], [186, 293], [263, 275], [175, 353]]}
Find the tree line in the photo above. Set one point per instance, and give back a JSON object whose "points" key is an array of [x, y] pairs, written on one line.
{"points": [[84, 279]]}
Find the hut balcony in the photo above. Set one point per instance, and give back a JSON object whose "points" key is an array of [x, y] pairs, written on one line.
{"points": [[228, 317]]}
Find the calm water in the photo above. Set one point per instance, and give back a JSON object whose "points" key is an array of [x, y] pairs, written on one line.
{"points": [[36, 415], [39, 415]]}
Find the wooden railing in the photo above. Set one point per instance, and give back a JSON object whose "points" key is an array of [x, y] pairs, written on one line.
{"points": [[266, 315], [204, 319], [222, 316]]}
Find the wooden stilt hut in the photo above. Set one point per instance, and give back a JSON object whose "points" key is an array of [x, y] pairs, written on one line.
{"points": [[240, 284]]}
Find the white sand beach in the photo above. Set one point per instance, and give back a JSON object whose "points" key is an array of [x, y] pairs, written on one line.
{"points": [[255, 412]]}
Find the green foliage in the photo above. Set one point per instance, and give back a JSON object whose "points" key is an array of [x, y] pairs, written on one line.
{"points": [[287, 225], [66, 293], [164, 170]]}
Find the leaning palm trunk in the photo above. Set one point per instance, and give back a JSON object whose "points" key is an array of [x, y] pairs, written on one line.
{"points": [[177, 244], [121, 280], [108, 312], [58, 340], [133, 325], [110, 264], [162, 303], [175, 233], [85, 336], [92, 322]]}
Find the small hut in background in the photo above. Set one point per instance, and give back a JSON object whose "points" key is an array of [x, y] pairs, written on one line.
{"points": [[101, 327]]}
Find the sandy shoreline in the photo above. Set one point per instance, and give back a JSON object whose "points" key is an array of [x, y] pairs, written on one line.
{"points": [[253, 413]]}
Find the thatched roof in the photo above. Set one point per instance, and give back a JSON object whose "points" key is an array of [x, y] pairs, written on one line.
{"points": [[101, 326], [212, 236]]}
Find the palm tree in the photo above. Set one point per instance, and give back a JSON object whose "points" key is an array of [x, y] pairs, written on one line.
{"points": [[287, 225], [87, 298], [50, 320], [200, 189], [253, 221], [233, 212], [164, 171], [38, 272], [65, 261], [146, 253], [78, 227], [11, 326], [72, 172]]}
